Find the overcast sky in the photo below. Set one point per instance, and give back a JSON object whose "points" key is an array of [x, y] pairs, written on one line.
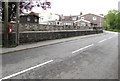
{"points": [[74, 7]]}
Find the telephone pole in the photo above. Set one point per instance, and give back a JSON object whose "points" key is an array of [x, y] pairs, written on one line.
{"points": [[17, 22], [6, 22], [5, 26]]}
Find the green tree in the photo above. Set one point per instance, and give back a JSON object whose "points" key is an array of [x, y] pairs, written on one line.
{"points": [[112, 20]]}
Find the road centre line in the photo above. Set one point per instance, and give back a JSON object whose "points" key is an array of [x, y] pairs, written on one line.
{"points": [[102, 40], [82, 48], [105, 40], [23, 71]]}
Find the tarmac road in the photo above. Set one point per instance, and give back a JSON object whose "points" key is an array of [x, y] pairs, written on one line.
{"points": [[87, 58]]}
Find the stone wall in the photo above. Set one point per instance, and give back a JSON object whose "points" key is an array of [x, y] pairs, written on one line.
{"points": [[42, 27], [36, 36], [37, 32]]}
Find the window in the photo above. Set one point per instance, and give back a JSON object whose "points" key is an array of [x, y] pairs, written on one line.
{"points": [[82, 24], [49, 17], [36, 20], [58, 23], [95, 25], [28, 18], [94, 18], [74, 18]]}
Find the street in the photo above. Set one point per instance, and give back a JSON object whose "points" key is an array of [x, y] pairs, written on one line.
{"points": [[93, 57]]}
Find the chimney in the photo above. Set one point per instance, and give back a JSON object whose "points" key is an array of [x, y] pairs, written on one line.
{"points": [[101, 14]]}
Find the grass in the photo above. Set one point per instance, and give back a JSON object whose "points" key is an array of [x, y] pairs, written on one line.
{"points": [[1, 45], [10, 46], [114, 30]]}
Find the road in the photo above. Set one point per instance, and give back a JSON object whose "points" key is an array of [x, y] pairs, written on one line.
{"points": [[88, 58]]}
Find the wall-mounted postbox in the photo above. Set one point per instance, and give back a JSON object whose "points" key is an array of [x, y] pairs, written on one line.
{"points": [[10, 28]]}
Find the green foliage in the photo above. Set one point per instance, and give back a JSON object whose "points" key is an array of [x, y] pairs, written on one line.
{"points": [[112, 20], [115, 30], [0, 45]]}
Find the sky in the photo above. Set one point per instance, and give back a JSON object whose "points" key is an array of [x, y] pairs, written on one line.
{"points": [[74, 7]]}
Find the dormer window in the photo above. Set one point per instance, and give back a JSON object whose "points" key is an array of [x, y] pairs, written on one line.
{"points": [[94, 18]]}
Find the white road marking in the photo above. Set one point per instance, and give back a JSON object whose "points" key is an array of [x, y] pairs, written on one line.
{"points": [[102, 40], [83, 48], [18, 73]]}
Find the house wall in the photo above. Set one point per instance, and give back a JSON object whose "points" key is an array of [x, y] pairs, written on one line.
{"points": [[98, 21], [37, 32], [80, 22], [46, 17], [23, 19]]}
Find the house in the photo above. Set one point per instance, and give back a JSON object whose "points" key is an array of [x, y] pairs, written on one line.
{"points": [[30, 18], [55, 22], [87, 21], [82, 23], [48, 18], [90, 20], [67, 23], [68, 20], [95, 20], [39, 18]]}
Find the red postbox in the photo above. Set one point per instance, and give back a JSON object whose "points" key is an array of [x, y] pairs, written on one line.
{"points": [[10, 28]]}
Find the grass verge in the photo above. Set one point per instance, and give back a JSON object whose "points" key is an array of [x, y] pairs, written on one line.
{"points": [[10, 46], [114, 30]]}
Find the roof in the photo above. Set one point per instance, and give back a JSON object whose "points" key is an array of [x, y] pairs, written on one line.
{"points": [[32, 13], [93, 14], [67, 21], [69, 18], [82, 20]]}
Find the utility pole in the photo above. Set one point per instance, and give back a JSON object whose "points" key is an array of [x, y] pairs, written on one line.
{"points": [[119, 6], [17, 22], [5, 26]]}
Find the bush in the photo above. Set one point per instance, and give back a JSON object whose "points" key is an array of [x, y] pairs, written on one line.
{"points": [[115, 30]]}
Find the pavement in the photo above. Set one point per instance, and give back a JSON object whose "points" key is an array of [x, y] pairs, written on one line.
{"points": [[88, 57], [43, 43]]}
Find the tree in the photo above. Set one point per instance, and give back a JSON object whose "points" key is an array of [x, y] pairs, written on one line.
{"points": [[25, 6], [112, 19], [11, 11]]}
